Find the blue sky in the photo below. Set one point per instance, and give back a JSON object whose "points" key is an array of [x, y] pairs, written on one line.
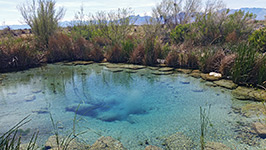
{"points": [[9, 14]]}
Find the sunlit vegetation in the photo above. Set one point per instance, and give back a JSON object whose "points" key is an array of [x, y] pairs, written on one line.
{"points": [[189, 34]]}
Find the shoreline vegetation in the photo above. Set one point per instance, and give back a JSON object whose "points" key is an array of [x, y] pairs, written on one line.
{"points": [[210, 41], [202, 40]]}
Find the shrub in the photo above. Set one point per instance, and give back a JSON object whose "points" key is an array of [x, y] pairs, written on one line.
{"points": [[211, 62], [137, 55], [244, 63], [81, 49], [43, 19], [96, 53], [115, 54], [18, 54], [227, 64], [127, 47], [192, 61], [258, 39], [60, 47], [178, 35], [172, 59], [151, 55], [258, 73]]}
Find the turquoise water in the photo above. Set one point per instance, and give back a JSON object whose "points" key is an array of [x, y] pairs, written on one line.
{"points": [[136, 108]]}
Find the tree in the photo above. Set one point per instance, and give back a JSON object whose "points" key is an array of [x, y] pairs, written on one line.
{"points": [[174, 12], [43, 19]]}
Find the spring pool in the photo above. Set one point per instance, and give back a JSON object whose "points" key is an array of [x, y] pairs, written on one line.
{"points": [[136, 107]]}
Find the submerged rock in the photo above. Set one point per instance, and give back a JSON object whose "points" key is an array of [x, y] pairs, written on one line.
{"points": [[178, 141], [253, 109], [162, 73], [216, 146], [195, 74], [244, 93], [83, 109], [260, 129], [75, 63], [113, 65], [150, 147], [104, 64], [131, 71], [198, 90], [132, 66], [115, 70], [30, 98], [226, 84], [153, 68], [166, 69], [36, 91], [186, 71], [52, 144], [107, 143], [26, 146]]}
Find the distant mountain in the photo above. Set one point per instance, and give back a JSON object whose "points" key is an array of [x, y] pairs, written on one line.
{"points": [[260, 12]]}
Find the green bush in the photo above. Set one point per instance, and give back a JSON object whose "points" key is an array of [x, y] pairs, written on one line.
{"points": [[258, 39], [178, 35], [244, 63], [43, 19]]}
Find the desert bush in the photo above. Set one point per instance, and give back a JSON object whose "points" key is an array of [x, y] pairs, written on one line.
{"points": [[244, 63], [43, 19], [258, 39], [217, 27], [227, 64], [210, 61], [137, 55], [178, 35], [151, 53], [96, 53], [239, 24], [128, 46], [182, 59], [192, 61], [172, 59], [258, 73], [115, 54], [60, 47], [18, 54], [81, 49]]}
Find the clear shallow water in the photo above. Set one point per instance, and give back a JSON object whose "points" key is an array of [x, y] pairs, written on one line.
{"points": [[135, 108]]}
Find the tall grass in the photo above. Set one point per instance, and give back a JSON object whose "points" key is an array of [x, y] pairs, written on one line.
{"points": [[11, 140], [204, 124], [244, 63]]}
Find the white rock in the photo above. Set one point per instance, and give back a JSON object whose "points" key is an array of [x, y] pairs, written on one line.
{"points": [[215, 74]]}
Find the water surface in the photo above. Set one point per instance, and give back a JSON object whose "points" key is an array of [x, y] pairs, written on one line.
{"points": [[136, 108]]}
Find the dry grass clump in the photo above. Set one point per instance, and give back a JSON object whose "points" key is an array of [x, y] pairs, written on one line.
{"points": [[60, 47], [137, 55], [115, 54], [212, 63], [81, 49], [182, 59], [18, 54], [172, 59], [227, 64], [96, 53]]}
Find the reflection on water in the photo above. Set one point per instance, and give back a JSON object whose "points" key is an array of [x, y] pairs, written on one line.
{"points": [[132, 107]]}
